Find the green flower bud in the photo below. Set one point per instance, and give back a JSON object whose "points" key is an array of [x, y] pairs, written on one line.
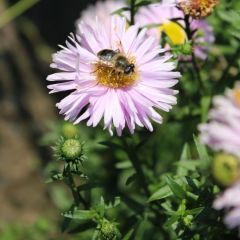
{"points": [[70, 150], [69, 130], [188, 220], [186, 48], [109, 230], [225, 169]]}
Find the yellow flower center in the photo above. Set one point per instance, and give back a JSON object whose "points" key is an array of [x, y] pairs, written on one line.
{"points": [[175, 32], [198, 8], [237, 96], [112, 77]]}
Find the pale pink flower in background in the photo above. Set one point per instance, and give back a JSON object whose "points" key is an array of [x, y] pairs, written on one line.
{"points": [[102, 10], [230, 201], [163, 13], [203, 38], [98, 91], [223, 130]]}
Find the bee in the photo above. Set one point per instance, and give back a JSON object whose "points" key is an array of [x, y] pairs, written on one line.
{"points": [[117, 60]]}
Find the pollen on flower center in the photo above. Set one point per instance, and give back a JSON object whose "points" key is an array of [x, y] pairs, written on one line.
{"points": [[237, 96], [112, 77]]}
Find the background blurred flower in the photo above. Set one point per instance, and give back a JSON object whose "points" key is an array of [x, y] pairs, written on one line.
{"points": [[102, 10], [197, 8], [101, 91], [166, 15], [203, 38], [223, 130], [230, 200], [225, 169]]}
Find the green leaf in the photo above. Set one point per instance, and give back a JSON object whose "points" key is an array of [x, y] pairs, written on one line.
{"points": [[205, 104], [119, 11], [111, 144], [116, 202], [80, 214], [182, 169], [129, 234], [124, 165], [194, 211], [143, 3], [88, 186], [161, 193], [176, 188], [55, 177], [185, 166], [202, 152], [131, 179], [173, 219], [185, 153]]}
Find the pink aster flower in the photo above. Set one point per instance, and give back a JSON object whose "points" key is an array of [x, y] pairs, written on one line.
{"points": [[163, 13], [102, 10], [230, 200], [223, 130], [115, 74]]}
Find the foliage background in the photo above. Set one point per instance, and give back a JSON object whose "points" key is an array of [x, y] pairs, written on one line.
{"points": [[29, 123]]}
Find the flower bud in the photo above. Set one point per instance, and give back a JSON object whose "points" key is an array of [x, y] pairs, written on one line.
{"points": [[225, 169], [186, 49], [69, 130], [188, 220], [69, 150], [109, 230]]}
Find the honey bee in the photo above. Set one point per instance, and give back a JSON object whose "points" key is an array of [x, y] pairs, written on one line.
{"points": [[117, 60]]}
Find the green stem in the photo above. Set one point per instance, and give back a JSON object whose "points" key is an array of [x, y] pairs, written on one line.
{"points": [[132, 12], [16, 10], [76, 195], [194, 61], [133, 157]]}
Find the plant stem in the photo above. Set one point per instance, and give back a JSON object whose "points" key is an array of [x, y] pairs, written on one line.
{"points": [[16, 10], [76, 195], [194, 61], [133, 157], [132, 12]]}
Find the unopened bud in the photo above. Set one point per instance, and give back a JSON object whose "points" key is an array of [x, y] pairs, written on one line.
{"points": [[225, 169], [69, 130], [109, 230], [186, 49], [69, 150]]}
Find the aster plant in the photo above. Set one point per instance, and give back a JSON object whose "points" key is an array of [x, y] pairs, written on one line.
{"points": [[144, 71]]}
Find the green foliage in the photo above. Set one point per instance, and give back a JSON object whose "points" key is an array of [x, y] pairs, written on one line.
{"points": [[163, 179]]}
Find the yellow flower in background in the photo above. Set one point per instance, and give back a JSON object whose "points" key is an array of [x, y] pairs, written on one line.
{"points": [[175, 32]]}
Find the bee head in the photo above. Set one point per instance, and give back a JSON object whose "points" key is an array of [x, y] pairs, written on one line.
{"points": [[129, 68]]}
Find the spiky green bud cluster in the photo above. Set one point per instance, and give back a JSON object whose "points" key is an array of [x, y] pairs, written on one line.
{"points": [[69, 150], [186, 49], [109, 230]]}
